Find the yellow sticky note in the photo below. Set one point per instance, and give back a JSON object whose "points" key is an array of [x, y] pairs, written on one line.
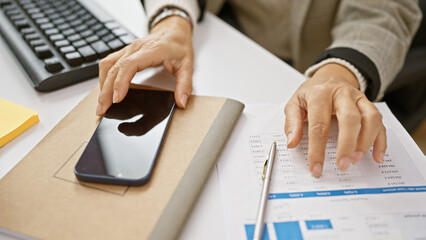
{"points": [[14, 119]]}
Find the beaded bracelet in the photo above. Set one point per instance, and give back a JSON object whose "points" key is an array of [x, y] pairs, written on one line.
{"points": [[167, 12]]}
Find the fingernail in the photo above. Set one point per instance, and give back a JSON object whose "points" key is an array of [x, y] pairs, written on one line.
{"points": [[183, 100], [357, 156], [317, 170], [115, 97], [99, 109], [381, 157], [344, 163], [289, 138]]}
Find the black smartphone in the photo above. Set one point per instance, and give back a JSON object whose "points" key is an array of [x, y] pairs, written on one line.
{"points": [[124, 147]]}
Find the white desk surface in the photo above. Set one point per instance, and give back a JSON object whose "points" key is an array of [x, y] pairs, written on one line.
{"points": [[227, 64]]}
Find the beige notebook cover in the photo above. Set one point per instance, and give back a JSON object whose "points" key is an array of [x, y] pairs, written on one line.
{"points": [[42, 198]]}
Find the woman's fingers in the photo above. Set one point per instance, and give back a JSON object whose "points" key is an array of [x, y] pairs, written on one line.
{"points": [[319, 107], [380, 146], [183, 87], [371, 125], [349, 121], [106, 63], [295, 112], [108, 71]]}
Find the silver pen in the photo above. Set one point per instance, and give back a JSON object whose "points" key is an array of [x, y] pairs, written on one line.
{"points": [[269, 164]]}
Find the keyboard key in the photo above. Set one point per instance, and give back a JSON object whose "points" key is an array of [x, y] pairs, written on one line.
{"points": [[24, 1], [100, 48], [51, 31], [40, 21], [32, 36], [74, 37], [65, 13], [67, 49], [29, 5], [79, 43], [115, 44], [91, 39], [112, 25], [108, 38], [46, 26], [74, 58], [53, 15], [76, 7], [17, 17], [28, 30], [68, 32], [102, 32], [43, 51], [8, 7], [86, 17], [53, 65], [127, 39], [4, 3], [34, 10], [37, 15], [82, 12], [86, 33], [119, 32], [20, 24], [45, 6], [56, 37], [59, 5], [35, 43], [71, 17], [76, 22], [81, 28], [91, 22], [62, 43], [88, 53], [59, 21], [97, 27], [63, 26], [12, 11]]}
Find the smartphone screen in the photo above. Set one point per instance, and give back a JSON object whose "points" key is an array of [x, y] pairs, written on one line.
{"points": [[124, 147]]}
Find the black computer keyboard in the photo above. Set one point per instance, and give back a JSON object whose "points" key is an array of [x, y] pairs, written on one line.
{"points": [[59, 42]]}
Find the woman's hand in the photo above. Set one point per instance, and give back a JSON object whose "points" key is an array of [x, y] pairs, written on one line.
{"points": [[333, 90], [169, 44]]}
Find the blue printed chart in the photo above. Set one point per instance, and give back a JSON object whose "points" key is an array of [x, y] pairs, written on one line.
{"points": [[398, 174], [292, 181], [290, 229]]}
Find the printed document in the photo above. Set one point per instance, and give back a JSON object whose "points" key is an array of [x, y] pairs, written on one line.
{"points": [[368, 201]]}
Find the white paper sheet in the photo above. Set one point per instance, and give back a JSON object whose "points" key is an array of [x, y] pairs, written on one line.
{"points": [[369, 201]]}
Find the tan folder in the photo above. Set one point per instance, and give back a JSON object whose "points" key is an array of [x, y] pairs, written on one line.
{"points": [[41, 197]]}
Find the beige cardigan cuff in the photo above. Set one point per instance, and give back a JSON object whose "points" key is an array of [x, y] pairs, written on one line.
{"points": [[361, 80]]}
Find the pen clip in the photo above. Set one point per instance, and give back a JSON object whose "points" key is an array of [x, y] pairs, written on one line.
{"points": [[264, 169]]}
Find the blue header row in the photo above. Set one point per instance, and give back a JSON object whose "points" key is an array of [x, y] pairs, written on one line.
{"points": [[347, 192]]}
